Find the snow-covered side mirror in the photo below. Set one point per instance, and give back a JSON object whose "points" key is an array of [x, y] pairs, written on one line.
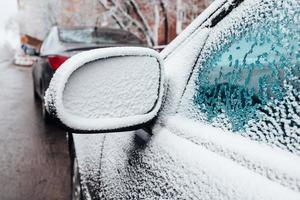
{"points": [[107, 89]]}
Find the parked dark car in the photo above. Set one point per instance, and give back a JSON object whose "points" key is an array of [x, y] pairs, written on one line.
{"points": [[215, 115], [62, 43]]}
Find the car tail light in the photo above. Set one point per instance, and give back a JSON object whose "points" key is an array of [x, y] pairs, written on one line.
{"points": [[56, 61]]}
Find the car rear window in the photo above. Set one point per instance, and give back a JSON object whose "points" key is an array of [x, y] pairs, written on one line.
{"points": [[97, 36]]}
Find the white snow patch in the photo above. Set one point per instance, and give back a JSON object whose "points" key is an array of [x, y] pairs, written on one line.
{"points": [[167, 167], [178, 67], [277, 165], [113, 88], [91, 95]]}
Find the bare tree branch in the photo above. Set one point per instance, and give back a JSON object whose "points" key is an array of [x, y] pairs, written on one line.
{"points": [[114, 16], [134, 22], [156, 21], [166, 20], [129, 14], [141, 17]]}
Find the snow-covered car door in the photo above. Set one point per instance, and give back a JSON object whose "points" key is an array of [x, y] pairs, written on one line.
{"points": [[241, 104], [204, 147]]}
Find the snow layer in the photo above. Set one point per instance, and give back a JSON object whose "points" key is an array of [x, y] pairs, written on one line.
{"points": [[178, 67], [107, 89], [134, 165], [113, 88], [273, 163]]}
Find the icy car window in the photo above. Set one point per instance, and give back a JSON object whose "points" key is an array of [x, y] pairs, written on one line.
{"points": [[247, 77]]}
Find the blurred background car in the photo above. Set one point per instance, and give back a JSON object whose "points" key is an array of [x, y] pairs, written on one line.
{"points": [[62, 43]]}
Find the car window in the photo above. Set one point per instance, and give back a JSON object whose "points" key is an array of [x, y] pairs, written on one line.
{"points": [[92, 35], [247, 77]]}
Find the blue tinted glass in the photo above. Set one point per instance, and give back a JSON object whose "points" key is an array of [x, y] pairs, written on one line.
{"points": [[253, 79]]}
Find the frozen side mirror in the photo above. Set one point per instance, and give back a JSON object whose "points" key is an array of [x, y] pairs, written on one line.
{"points": [[107, 89]]}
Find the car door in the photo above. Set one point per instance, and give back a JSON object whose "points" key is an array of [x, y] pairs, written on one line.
{"points": [[242, 97], [212, 139]]}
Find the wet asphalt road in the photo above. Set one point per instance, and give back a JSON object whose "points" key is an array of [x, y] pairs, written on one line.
{"points": [[34, 160]]}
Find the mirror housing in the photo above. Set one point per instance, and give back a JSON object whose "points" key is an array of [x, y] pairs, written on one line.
{"points": [[108, 89]]}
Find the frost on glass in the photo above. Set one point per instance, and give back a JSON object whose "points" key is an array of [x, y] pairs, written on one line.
{"points": [[248, 81]]}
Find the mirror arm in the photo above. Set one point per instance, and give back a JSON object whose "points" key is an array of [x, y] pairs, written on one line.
{"points": [[148, 127]]}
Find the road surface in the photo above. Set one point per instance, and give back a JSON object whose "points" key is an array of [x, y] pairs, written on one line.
{"points": [[34, 160]]}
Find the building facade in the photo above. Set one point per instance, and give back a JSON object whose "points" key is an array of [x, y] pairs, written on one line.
{"points": [[155, 21]]}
